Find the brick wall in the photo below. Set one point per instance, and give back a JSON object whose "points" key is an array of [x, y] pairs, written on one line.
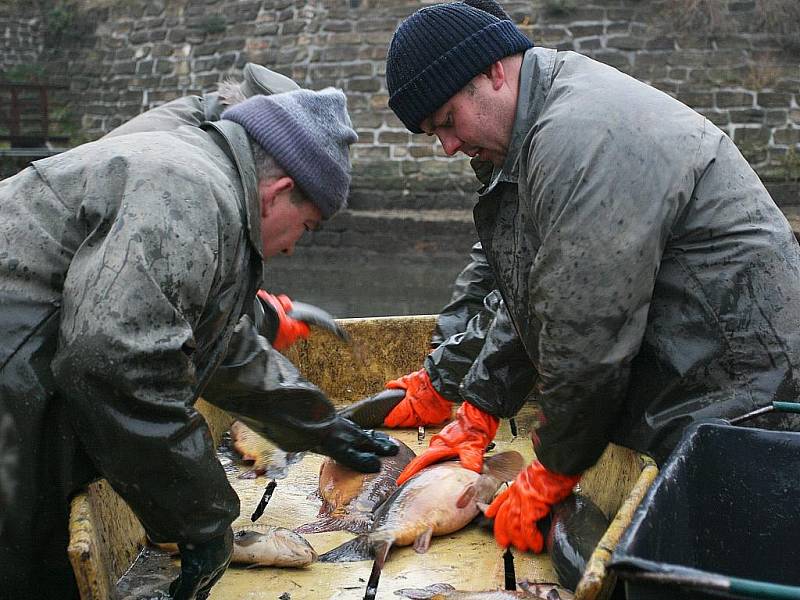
{"points": [[123, 57]]}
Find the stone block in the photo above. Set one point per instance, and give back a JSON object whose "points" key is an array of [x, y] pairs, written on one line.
{"points": [[697, 99], [125, 67], [364, 85], [138, 37], [337, 26], [661, 42], [776, 116], [164, 66], [746, 137], [370, 152], [774, 99], [614, 59], [420, 151], [339, 53], [394, 137], [787, 136], [582, 31], [590, 44], [727, 99], [144, 67], [626, 43], [356, 70], [748, 115], [719, 118]]}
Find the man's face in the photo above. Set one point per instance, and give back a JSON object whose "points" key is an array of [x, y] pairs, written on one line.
{"points": [[473, 122], [477, 120], [283, 222]]}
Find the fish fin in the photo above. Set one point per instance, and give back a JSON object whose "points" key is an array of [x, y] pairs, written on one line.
{"points": [[423, 541], [426, 593], [381, 550], [466, 496], [251, 474], [359, 548], [504, 466], [327, 524]]}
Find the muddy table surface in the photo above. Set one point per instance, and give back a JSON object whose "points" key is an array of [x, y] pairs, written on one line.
{"points": [[468, 559]]}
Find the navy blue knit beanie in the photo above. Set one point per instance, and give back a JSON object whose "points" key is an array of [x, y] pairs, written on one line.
{"points": [[308, 134], [438, 50]]}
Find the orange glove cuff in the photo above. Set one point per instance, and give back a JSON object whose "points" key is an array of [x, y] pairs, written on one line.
{"points": [[289, 330], [479, 420], [529, 499], [422, 404]]}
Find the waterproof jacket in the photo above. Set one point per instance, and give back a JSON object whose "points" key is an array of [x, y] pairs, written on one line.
{"points": [[650, 276], [126, 265]]}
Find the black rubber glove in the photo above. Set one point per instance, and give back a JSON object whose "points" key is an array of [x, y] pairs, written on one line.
{"points": [[348, 444], [201, 567]]}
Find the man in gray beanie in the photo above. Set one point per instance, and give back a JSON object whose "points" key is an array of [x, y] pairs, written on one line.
{"points": [[650, 278], [128, 273]]}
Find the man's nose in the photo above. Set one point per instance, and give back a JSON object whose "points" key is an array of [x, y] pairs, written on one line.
{"points": [[450, 143]]}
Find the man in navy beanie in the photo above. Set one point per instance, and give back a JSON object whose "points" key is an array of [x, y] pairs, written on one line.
{"points": [[650, 278], [127, 287]]}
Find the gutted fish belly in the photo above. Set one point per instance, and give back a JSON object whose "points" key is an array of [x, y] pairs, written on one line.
{"points": [[541, 591], [350, 498], [438, 500], [261, 545]]}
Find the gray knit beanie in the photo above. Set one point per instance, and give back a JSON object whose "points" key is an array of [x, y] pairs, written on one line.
{"points": [[439, 49], [308, 134]]}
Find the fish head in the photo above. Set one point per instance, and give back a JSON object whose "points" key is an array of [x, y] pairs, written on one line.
{"points": [[294, 547], [291, 547]]}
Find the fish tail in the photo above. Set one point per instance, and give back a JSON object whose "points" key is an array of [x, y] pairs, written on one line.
{"points": [[330, 524], [359, 548]]}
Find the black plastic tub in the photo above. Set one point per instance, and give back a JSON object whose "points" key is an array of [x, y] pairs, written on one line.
{"points": [[722, 519]]}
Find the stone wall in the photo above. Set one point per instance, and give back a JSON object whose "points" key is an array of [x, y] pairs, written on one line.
{"points": [[736, 61]]}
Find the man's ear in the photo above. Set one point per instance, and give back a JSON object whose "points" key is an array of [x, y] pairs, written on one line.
{"points": [[270, 190], [497, 75]]}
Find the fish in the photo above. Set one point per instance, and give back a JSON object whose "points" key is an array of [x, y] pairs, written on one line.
{"points": [[265, 457], [371, 411], [438, 500], [350, 498], [576, 526], [445, 591], [265, 546]]}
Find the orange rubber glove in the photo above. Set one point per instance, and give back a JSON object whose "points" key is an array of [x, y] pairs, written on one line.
{"points": [[529, 499], [289, 330], [422, 404], [466, 438]]}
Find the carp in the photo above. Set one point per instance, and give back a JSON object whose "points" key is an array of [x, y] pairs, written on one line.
{"points": [[371, 411], [350, 498], [445, 591], [265, 457], [265, 546], [576, 526], [438, 500]]}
